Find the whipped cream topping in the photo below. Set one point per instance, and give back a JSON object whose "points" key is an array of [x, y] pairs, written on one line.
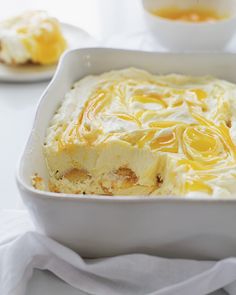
{"points": [[175, 133]]}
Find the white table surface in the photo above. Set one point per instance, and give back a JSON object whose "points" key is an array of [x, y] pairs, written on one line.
{"points": [[102, 19]]}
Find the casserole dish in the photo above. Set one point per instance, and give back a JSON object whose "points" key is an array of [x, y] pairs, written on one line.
{"points": [[98, 226]]}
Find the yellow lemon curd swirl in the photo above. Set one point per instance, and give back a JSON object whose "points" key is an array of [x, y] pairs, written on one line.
{"points": [[43, 38], [129, 132]]}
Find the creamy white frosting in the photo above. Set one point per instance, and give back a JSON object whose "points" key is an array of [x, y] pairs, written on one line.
{"points": [[131, 132], [12, 48]]}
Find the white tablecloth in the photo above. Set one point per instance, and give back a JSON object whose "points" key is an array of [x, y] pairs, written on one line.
{"points": [[22, 250]]}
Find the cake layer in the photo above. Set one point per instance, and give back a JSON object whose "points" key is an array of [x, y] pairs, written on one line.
{"points": [[129, 132]]}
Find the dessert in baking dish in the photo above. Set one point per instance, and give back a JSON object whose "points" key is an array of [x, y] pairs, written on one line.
{"points": [[31, 37], [129, 132]]}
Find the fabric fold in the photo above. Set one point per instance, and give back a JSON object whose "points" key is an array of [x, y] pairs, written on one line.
{"points": [[126, 274]]}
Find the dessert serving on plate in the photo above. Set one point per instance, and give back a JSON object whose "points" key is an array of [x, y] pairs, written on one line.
{"points": [[129, 132], [32, 37]]}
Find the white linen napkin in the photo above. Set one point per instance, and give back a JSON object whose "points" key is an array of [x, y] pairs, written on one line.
{"points": [[22, 250]]}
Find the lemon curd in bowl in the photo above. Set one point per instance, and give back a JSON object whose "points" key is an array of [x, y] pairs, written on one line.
{"points": [[191, 14], [191, 25], [128, 132]]}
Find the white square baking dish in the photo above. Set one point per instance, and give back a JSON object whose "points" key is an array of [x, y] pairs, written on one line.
{"points": [[97, 226]]}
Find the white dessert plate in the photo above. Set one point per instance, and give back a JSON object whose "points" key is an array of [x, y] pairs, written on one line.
{"points": [[76, 38]]}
